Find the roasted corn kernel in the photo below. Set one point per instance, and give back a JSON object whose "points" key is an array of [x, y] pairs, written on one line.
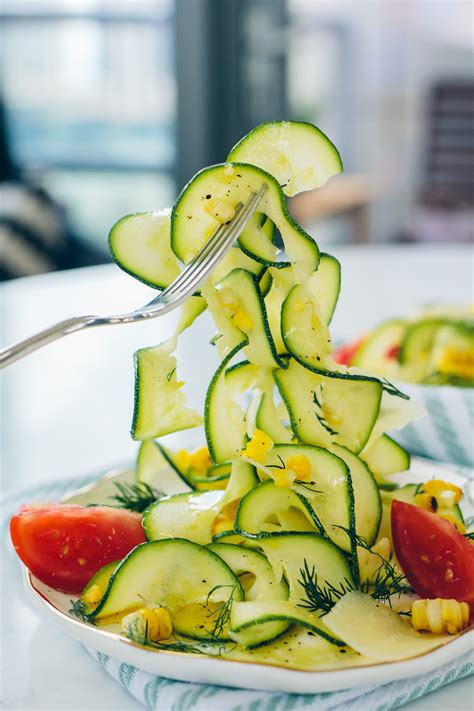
{"points": [[440, 615], [258, 447], [283, 478], [445, 493], [152, 624], [300, 465], [93, 595]]}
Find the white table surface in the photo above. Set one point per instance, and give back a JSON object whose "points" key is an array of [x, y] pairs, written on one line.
{"points": [[66, 411]]}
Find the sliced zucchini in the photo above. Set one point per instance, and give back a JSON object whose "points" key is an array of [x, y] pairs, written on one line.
{"points": [[236, 259], [282, 282], [235, 539], [224, 421], [211, 198], [256, 240], [156, 467], [325, 409], [188, 515], [303, 328], [292, 553], [253, 570], [265, 282], [329, 491], [257, 623], [418, 340], [257, 512], [189, 312], [243, 479], [101, 580], [140, 245], [159, 406], [368, 504], [299, 155], [243, 291], [374, 353], [216, 477], [268, 416], [385, 457], [325, 285], [164, 573]]}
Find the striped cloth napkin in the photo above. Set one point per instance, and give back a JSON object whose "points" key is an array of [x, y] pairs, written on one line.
{"points": [[156, 692]]}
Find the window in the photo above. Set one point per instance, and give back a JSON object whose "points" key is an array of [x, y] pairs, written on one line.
{"points": [[89, 90]]}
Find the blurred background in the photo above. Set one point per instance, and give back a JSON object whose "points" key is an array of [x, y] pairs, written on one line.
{"points": [[109, 106]]}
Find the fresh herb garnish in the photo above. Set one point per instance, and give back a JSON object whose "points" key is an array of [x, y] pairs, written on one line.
{"points": [[387, 581], [469, 536], [277, 466], [222, 612], [138, 634], [318, 597], [392, 389], [170, 374], [135, 497], [320, 415], [78, 609]]}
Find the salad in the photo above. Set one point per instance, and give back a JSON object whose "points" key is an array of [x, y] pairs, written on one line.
{"points": [[282, 538], [434, 348]]}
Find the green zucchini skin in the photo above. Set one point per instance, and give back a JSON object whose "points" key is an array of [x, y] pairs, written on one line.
{"points": [[385, 457], [299, 245], [156, 564], [218, 446], [304, 143]]}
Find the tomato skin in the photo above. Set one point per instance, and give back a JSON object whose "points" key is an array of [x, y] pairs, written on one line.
{"points": [[437, 560], [393, 352], [345, 354], [64, 545]]}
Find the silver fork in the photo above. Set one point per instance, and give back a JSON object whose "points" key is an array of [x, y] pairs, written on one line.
{"points": [[178, 291]]}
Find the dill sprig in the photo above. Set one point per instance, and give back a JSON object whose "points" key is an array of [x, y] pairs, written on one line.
{"points": [[469, 536], [318, 597], [308, 485], [78, 609], [386, 581], [320, 415], [170, 374], [138, 634], [392, 389], [135, 497], [222, 612]]}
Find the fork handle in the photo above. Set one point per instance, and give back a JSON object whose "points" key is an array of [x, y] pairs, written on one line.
{"points": [[19, 350]]}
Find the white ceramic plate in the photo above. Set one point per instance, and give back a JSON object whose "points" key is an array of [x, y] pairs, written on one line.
{"points": [[54, 606]]}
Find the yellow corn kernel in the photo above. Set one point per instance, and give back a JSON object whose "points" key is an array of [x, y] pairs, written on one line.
{"points": [[183, 459], [300, 465], [283, 478], [242, 320], [258, 447], [92, 596], [457, 361], [228, 298], [438, 616], [298, 306], [424, 501], [438, 487], [152, 624], [200, 460], [452, 519], [219, 209]]}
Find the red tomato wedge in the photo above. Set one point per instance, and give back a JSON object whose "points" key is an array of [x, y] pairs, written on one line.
{"points": [[437, 560], [64, 544], [345, 354]]}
